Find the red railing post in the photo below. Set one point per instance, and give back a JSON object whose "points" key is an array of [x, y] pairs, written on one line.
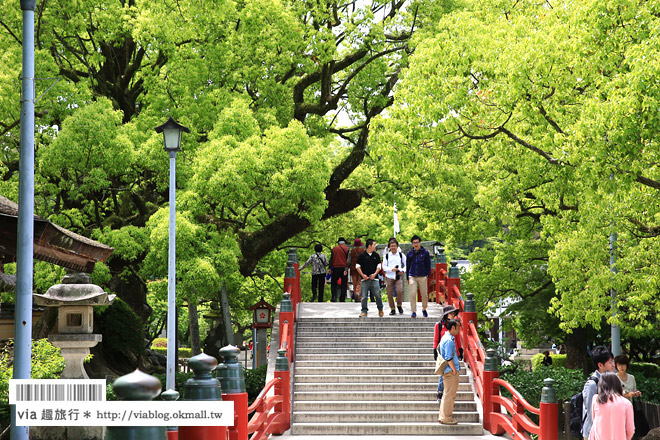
{"points": [[291, 285], [202, 387], [283, 388], [453, 279], [469, 315], [491, 371], [286, 316], [440, 268], [549, 417], [233, 389]]}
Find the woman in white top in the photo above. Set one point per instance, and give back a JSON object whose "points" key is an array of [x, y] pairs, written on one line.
{"points": [[627, 380], [394, 265]]}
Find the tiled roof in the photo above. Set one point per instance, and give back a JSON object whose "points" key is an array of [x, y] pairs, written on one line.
{"points": [[52, 243]]}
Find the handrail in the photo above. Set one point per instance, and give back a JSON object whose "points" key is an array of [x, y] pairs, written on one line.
{"points": [[517, 396], [261, 397], [487, 383]]}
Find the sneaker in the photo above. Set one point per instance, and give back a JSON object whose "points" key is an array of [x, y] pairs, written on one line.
{"points": [[449, 422], [363, 314], [393, 312], [414, 315], [426, 315], [380, 313], [400, 310]]}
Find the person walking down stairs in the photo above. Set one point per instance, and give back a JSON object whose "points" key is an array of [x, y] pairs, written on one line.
{"points": [[368, 265], [418, 269], [319, 262]]}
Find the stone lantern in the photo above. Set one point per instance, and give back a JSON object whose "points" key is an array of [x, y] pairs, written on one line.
{"points": [[75, 299]]}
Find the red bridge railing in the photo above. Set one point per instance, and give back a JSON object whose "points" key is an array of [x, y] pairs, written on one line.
{"points": [[446, 284]]}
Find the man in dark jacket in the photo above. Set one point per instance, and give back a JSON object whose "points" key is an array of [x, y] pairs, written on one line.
{"points": [[418, 269], [339, 263], [368, 266]]}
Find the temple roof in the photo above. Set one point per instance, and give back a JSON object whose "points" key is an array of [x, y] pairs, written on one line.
{"points": [[52, 243]]}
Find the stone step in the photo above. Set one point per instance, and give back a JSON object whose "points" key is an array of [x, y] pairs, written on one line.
{"points": [[375, 395], [399, 319], [419, 324], [367, 329], [394, 341], [367, 376], [342, 349], [376, 386], [380, 416], [352, 363], [380, 405], [433, 428], [333, 357]]}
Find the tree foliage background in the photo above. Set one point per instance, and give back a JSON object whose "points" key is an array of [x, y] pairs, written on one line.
{"points": [[530, 126]]}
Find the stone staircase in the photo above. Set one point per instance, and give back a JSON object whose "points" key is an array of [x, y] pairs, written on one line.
{"points": [[372, 376]]}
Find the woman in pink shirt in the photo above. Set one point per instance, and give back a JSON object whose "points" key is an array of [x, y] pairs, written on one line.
{"points": [[612, 413]]}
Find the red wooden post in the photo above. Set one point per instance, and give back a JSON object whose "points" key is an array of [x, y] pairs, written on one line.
{"points": [[286, 315], [491, 371], [202, 387], [469, 315], [549, 417], [172, 435], [283, 388], [453, 279], [290, 285], [233, 389]]}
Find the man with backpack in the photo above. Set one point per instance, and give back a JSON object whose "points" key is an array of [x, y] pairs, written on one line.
{"points": [[581, 416], [394, 264]]}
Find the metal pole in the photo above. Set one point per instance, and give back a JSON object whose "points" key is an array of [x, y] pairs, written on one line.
{"points": [[171, 280], [25, 229], [616, 330]]}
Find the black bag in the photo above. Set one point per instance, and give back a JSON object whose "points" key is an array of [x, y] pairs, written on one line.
{"points": [[577, 417], [641, 424]]}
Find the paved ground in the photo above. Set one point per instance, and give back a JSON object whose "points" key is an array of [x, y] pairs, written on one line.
{"points": [[288, 436], [352, 310]]}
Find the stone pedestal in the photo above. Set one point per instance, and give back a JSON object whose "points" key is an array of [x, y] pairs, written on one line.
{"points": [[74, 349]]}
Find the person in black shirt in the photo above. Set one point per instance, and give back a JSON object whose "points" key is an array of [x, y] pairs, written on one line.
{"points": [[368, 265]]}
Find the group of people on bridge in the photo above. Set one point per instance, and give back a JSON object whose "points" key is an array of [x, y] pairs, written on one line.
{"points": [[365, 267]]}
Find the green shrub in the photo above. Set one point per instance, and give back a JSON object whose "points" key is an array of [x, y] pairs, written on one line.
{"points": [[558, 360], [255, 381], [183, 351], [646, 369], [122, 329], [47, 363], [530, 383], [650, 388], [159, 343]]}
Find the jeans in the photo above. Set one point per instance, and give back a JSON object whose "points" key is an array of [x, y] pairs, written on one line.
{"points": [[372, 286]]}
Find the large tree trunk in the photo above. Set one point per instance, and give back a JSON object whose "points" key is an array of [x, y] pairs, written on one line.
{"points": [[193, 326], [576, 350]]}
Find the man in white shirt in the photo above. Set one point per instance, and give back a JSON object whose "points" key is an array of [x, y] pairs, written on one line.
{"points": [[394, 265]]}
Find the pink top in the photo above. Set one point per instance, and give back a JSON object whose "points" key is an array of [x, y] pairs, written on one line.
{"points": [[613, 420]]}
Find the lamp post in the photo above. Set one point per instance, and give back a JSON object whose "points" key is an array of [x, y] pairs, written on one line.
{"points": [[25, 227], [172, 138]]}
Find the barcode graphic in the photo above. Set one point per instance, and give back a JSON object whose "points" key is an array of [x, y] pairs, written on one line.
{"points": [[57, 391]]}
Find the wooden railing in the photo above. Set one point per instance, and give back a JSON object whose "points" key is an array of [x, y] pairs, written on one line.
{"points": [[485, 365]]}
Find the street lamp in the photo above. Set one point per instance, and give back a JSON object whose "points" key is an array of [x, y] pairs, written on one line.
{"points": [[172, 138]]}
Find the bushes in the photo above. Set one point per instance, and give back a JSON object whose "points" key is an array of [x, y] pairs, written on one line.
{"points": [[645, 369], [530, 383], [46, 364], [159, 343], [558, 360], [183, 352], [255, 380]]}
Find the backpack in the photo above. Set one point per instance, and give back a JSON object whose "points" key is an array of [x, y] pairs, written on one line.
{"points": [[577, 417]]}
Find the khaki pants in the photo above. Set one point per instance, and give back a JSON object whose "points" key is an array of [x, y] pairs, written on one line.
{"points": [[392, 285], [447, 404], [357, 284], [423, 289]]}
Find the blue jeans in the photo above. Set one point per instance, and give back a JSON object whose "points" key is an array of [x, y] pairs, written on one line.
{"points": [[372, 286]]}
